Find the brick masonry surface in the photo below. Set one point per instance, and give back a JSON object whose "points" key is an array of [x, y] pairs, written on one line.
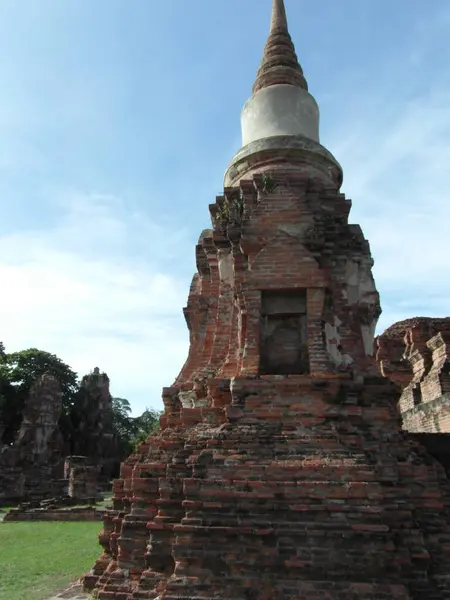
{"points": [[413, 353], [294, 486]]}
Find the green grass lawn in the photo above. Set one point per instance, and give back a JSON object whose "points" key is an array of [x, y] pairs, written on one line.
{"points": [[40, 559]]}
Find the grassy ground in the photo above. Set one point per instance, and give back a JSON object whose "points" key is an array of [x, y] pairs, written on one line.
{"points": [[40, 559]]}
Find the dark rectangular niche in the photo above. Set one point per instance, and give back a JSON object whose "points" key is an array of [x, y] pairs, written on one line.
{"points": [[283, 333]]}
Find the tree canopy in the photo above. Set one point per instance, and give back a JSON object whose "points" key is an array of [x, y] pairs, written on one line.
{"points": [[131, 431], [19, 371]]}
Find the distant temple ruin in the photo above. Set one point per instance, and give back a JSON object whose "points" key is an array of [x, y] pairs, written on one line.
{"points": [[95, 437], [32, 468]]}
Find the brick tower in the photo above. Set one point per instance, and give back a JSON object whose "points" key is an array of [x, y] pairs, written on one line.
{"points": [[280, 470]]}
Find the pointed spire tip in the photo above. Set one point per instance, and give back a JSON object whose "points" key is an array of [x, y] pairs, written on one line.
{"points": [[279, 64], [279, 18]]}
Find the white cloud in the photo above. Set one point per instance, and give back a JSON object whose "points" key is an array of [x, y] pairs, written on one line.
{"points": [[395, 152], [89, 291], [102, 287]]}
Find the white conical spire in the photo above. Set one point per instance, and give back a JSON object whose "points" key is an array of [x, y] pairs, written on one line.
{"points": [[280, 104], [281, 118], [279, 19]]}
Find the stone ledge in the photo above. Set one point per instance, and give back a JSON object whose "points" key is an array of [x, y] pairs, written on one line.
{"points": [[432, 406], [294, 149], [84, 514]]}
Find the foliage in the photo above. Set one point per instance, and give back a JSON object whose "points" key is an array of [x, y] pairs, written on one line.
{"points": [[238, 203], [229, 209], [269, 183], [24, 367], [223, 212], [131, 431], [121, 416], [66, 550], [18, 372], [146, 424]]}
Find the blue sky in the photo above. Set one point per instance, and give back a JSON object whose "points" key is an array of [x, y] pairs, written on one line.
{"points": [[118, 119]]}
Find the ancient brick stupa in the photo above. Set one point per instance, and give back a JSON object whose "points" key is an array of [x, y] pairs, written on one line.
{"points": [[280, 470]]}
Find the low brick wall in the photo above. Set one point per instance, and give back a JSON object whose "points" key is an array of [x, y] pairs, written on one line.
{"points": [[82, 514], [429, 417]]}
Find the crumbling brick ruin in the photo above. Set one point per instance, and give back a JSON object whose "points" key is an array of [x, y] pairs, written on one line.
{"points": [[95, 437], [280, 470], [33, 467], [413, 353], [82, 478]]}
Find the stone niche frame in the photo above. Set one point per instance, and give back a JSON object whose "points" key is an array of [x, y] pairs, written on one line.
{"points": [[251, 355], [284, 265], [283, 332]]}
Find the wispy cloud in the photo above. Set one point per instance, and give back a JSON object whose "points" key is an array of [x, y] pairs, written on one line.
{"points": [[88, 291], [395, 151], [99, 279]]}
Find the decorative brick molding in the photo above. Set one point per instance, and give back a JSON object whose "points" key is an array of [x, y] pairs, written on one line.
{"points": [[413, 354]]}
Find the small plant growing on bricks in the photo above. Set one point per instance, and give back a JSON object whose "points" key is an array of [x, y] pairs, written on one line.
{"points": [[268, 182]]}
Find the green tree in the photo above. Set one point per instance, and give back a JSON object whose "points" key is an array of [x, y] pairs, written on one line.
{"points": [[122, 420], [18, 372], [132, 430], [123, 428], [25, 367], [145, 424], [9, 416]]}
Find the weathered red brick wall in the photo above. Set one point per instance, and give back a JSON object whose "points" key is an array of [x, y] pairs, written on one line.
{"points": [[283, 485], [414, 354], [277, 240]]}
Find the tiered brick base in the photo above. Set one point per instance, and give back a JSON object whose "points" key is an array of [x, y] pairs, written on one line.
{"points": [[295, 488]]}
